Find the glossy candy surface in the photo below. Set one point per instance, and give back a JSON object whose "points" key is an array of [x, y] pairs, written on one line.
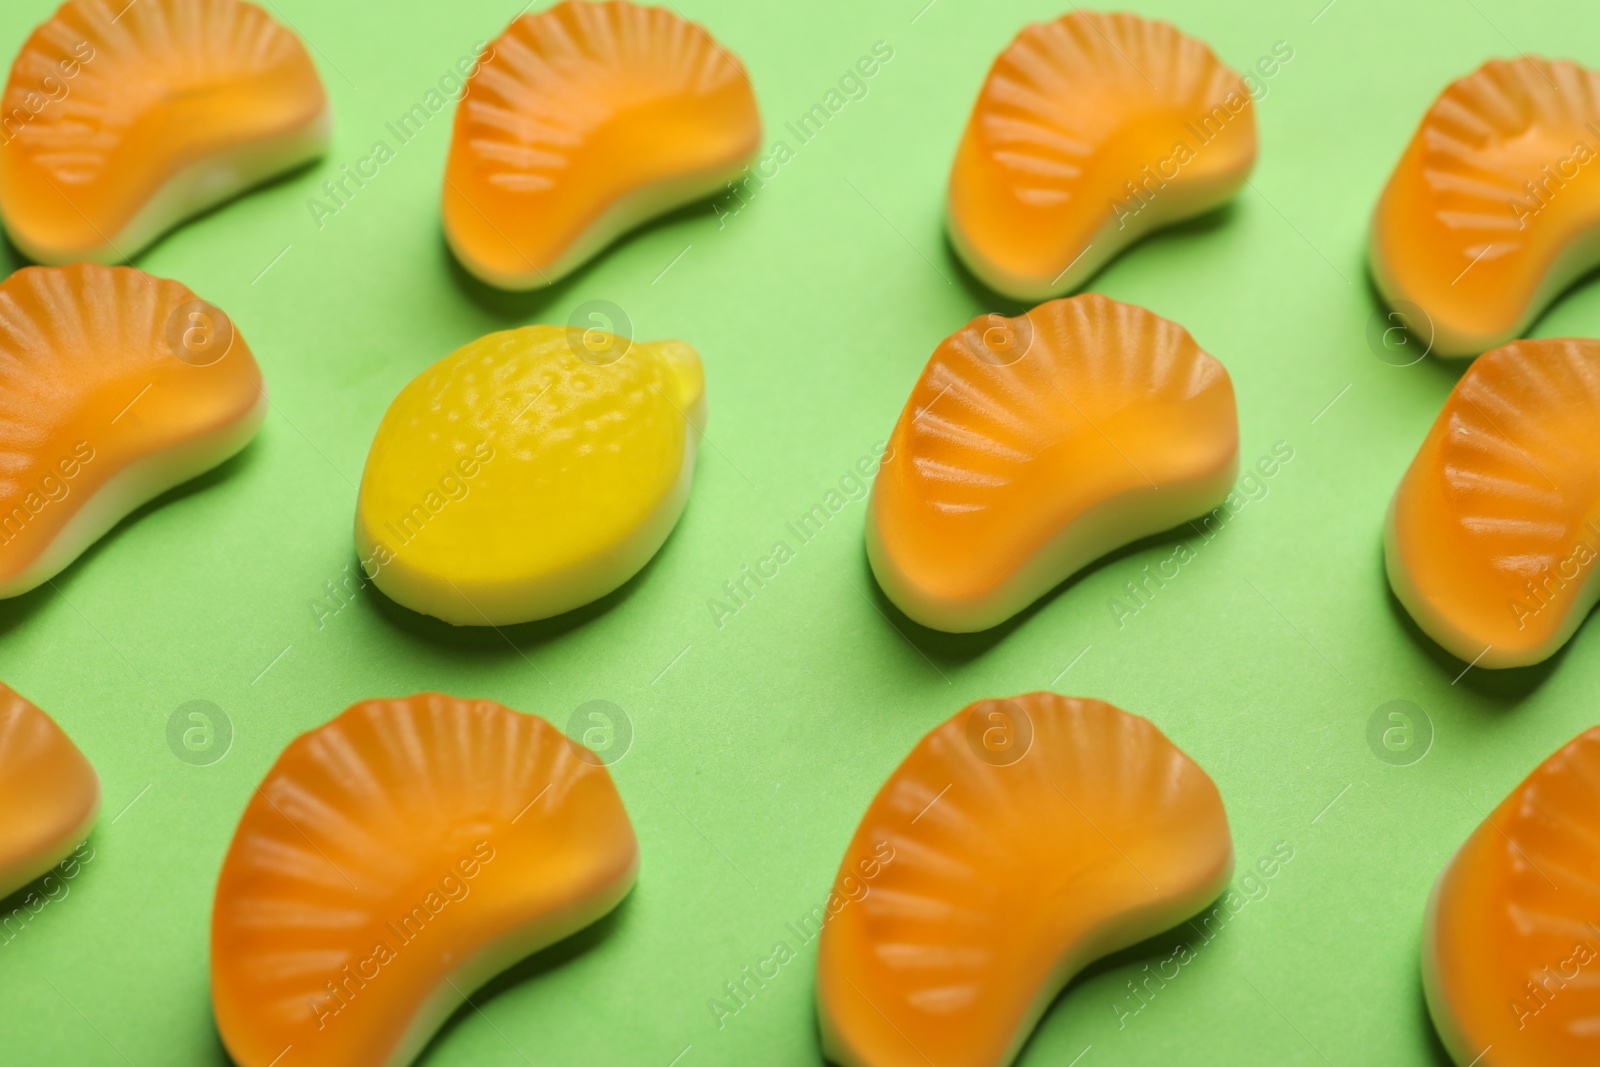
{"points": [[115, 386], [1090, 132], [394, 860], [1492, 536], [1493, 209], [1032, 446], [583, 121], [1510, 945], [529, 472], [49, 794], [122, 120], [1019, 841]]}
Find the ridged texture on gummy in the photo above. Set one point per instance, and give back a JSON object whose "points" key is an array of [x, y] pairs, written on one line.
{"points": [[1003, 478], [585, 119], [1072, 112], [1492, 210], [49, 794], [85, 368], [1518, 904], [372, 815], [1492, 537], [574, 461], [1003, 881], [158, 86]]}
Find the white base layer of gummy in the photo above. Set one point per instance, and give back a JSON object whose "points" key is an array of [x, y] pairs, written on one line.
{"points": [[1198, 194], [1117, 522], [1453, 341], [554, 593], [1451, 1034], [1123, 930], [627, 213], [26, 868], [131, 488], [191, 191], [509, 948], [1472, 648]]}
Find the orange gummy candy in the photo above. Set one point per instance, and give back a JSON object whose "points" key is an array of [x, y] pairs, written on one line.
{"points": [[1492, 536], [115, 386], [49, 794], [583, 121], [1510, 945], [1020, 841], [1489, 216], [394, 860], [121, 120], [1032, 446], [1090, 132]]}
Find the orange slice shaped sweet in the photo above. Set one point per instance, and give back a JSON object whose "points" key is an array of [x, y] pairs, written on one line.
{"points": [[1492, 535], [49, 794], [1090, 132], [1510, 944], [1031, 446], [122, 120], [1492, 210], [1020, 841], [583, 121], [394, 860], [115, 386]]}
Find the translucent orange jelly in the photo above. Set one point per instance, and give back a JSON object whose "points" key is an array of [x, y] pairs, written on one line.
{"points": [[1032, 446], [395, 859], [1018, 842], [1494, 206], [1090, 132], [117, 386], [122, 119], [1510, 946], [49, 794], [583, 121], [1493, 534]]}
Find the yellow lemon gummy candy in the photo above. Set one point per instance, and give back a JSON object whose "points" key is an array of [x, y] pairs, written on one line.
{"points": [[529, 472]]}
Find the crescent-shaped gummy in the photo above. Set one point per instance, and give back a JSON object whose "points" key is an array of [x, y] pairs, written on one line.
{"points": [[1032, 446], [1090, 132], [1492, 535], [1493, 208], [49, 794], [1020, 841], [584, 121], [529, 472], [121, 120], [394, 860], [1510, 943], [115, 386]]}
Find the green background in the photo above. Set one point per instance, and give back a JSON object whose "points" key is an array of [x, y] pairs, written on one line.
{"points": [[757, 745]]}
